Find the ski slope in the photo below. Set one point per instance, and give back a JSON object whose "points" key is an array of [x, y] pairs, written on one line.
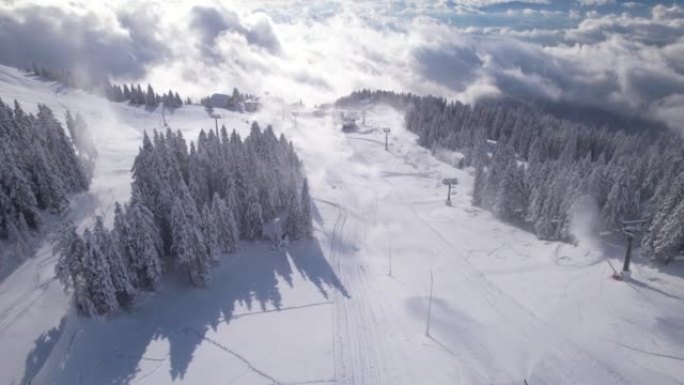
{"points": [[350, 306]]}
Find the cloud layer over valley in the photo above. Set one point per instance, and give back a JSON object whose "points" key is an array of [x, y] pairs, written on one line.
{"points": [[623, 57]]}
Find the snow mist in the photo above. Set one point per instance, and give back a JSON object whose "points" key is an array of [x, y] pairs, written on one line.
{"points": [[585, 221]]}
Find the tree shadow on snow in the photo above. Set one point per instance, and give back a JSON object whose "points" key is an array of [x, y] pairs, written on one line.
{"points": [[41, 351], [309, 260], [115, 350]]}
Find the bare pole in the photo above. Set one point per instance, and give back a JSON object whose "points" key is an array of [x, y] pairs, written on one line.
{"points": [[429, 309], [628, 254], [448, 202], [216, 118], [386, 131]]}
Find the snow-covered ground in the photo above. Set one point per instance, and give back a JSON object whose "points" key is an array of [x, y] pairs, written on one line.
{"points": [[505, 305]]}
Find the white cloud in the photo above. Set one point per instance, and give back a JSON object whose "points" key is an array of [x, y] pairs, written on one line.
{"points": [[319, 51], [662, 12]]}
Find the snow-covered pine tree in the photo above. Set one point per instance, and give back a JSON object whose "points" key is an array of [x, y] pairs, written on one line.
{"points": [[669, 241], [142, 245], [17, 239], [293, 224], [253, 223], [150, 97], [61, 151], [511, 199], [48, 187], [502, 159], [189, 246], [70, 268], [622, 203], [210, 230], [232, 205], [122, 233], [198, 176], [666, 199], [227, 229], [306, 218], [118, 270], [101, 290], [478, 185], [20, 197]]}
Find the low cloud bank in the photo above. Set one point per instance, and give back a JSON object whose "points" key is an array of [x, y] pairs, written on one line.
{"points": [[622, 57]]}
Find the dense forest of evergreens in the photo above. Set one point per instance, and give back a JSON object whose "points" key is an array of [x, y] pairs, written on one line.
{"points": [[534, 169], [40, 166], [187, 206]]}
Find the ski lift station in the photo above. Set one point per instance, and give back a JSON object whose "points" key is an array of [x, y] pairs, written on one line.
{"points": [[349, 122]]}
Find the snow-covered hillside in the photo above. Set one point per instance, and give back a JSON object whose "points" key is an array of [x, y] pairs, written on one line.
{"points": [[505, 307]]}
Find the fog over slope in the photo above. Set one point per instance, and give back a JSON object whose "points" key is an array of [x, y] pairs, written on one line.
{"points": [[623, 57]]}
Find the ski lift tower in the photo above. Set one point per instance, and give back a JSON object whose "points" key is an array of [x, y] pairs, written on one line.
{"points": [[449, 182], [630, 228], [216, 117], [294, 115]]}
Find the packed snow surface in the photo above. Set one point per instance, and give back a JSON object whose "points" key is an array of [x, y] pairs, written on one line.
{"points": [[350, 306]]}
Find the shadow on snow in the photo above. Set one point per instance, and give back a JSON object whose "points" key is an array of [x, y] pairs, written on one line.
{"points": [[108, 351], [41, 351]]}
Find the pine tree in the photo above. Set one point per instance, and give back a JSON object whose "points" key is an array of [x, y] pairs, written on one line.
{"points": [[227, 229], [511, 199], [478, 185], [233, 205], [189, 246], [622, 204], [139, 238], [117, 268], [49, 190], [150, 97], [122, 233], [21, 197], [18, 236], [306, 224], [62, 152], [210, 229], [70, 267], [101, 290], [293, 224], [670, 239], [253, 225]]}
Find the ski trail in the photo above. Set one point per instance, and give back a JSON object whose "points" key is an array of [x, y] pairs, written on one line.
{"points": [[522, 324], [355, 354], [362, 324], [236, 355]]}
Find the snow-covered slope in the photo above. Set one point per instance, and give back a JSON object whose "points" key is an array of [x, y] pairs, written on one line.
{"points": [[505, 305]]}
